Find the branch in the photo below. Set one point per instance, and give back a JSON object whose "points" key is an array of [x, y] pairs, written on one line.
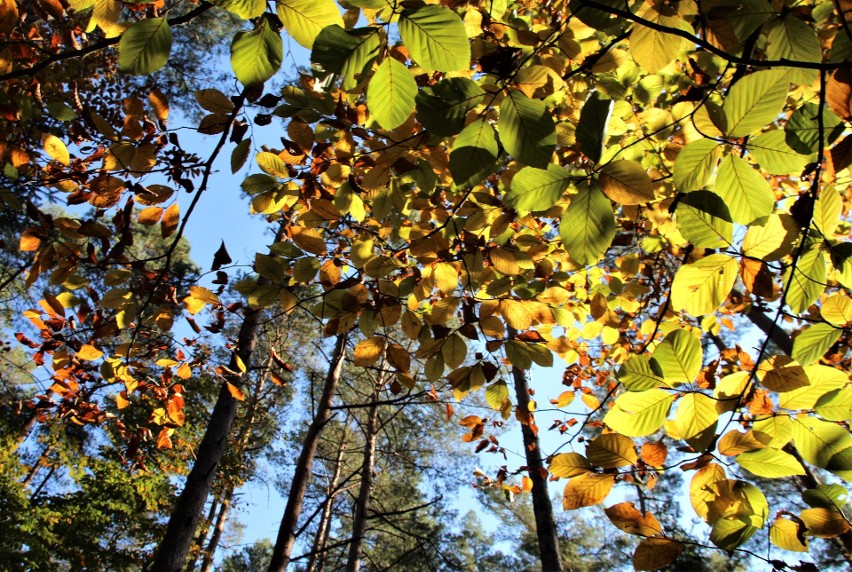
{"points": [[704, 44]]}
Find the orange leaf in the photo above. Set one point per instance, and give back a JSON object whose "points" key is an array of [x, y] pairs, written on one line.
{"points": [[170, 220], [236, 392], [654, 454], [150, 216]]}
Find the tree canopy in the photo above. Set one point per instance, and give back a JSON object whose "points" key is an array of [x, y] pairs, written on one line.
{"points": [[651, 195]]}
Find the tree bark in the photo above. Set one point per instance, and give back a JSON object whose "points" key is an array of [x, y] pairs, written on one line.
{"points": [[224, 510], [183, 523], [202, 534], [38, 466], [316, 563], [362, 505], [299, 485], [545, 526]]}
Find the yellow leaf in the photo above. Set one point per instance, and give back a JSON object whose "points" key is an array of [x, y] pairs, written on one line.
{"points": [[824, 522], [700, 493], [240, 365], [564, 400], [782, 373], [150, 216], [57, 150], [611, 451], [626, 517], [454, 351], [89, 353], [446, 277], [591, 401], [733, 442], [184, 371], [587, 490], [235, 392], [788, 535], [368, 351], [309, 240], [567, 465], [516, 313], [121, 400], [160, 105], [526, 484]]}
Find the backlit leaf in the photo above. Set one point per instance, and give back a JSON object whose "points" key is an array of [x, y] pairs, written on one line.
{"points": [[587, 489], [770, 463], [256, 55], [567, 465], [702, 286], [474, 154], [639, 413], [305, 19], [390, 94], [435, 37], [537, 189], [755, 101], [626, 182], [526, 129], [145, 46], [611, 451], [744, 190], [588, 225]]}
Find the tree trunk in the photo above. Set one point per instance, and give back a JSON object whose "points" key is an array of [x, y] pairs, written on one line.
{"points": [[545, 526], [183, 523], [210, 551], [362, 505], [39, 465], [316, 563], [202, 534], [299, 485]]}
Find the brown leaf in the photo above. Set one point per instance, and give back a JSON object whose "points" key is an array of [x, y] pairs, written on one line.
{"points": [[838, 92], [655, 553], [655, 454], [626, 517]]}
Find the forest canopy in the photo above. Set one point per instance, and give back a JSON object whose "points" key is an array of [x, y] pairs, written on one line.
{"points": [[646, 202]]}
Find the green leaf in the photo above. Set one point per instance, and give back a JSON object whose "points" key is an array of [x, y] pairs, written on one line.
{"points": [[695, 164], [755, 101], [640, 373], [802, 129], [390, 95], [534, 190], [588, 225], [256, 55], [345, 53], [436, 38], [772, 153], [474, 154], [819, 442], [703, 219], [808, 278], [679, 357], [827, 211], [812, 343], [245, 9], [527, 130], [770, 463], [639, 413], [145, 46], [591, 129], [826, 496], [305, 19], [792, 39], [836, 405], [747, 194], [443, 107], [496, 394], [702, 286], [823, 379]]}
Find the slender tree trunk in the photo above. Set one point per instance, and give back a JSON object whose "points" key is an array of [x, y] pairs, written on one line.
{"points": [[224, 510], [202, 534], [545, 526], [183, 524], [299, 485], [316, 563], [362, 505], [39, 465]]}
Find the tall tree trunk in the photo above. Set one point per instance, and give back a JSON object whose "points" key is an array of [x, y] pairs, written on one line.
{"points": [[362, 505], [316, 563], [183, 523], [202, 534], [224, 510], [299, 485], [545, 526]]}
